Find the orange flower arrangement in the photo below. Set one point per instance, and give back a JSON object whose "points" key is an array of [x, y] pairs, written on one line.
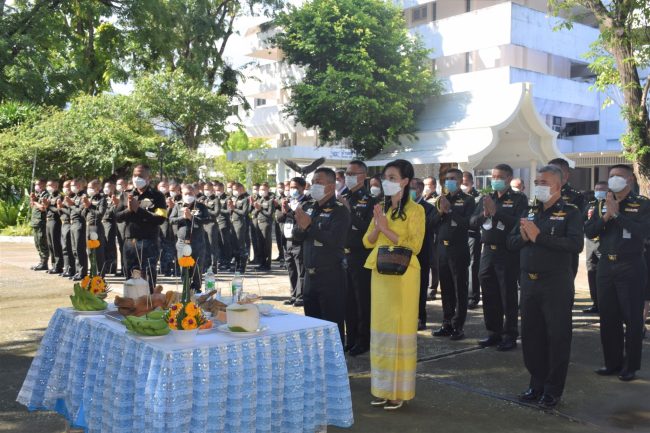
{"points": [[92, 244], [186, 262], [185, 316]]}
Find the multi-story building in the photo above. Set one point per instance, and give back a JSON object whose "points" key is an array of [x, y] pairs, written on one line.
{"points": [[484, 50]]}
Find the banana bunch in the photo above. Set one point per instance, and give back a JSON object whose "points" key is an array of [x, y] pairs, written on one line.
{"points": [[83, 300], [151, 324]]}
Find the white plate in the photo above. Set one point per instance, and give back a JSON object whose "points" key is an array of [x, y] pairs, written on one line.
{"points": [[146, 337], [90, 313], [226, 330]]}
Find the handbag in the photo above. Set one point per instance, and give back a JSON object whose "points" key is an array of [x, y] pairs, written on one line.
{"points": [[392, 260]]}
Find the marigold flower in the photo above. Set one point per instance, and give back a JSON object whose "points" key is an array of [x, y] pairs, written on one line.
{"points": [[186, 262], [189, 323], [85, 283], [92, 244]]}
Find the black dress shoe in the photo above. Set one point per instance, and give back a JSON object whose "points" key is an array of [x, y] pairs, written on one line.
{"points": [[507, 344], [604, 371], [66, 275], [627, 376], [78, 277], [421, 325], [289, 301], [591, 310], [431, 297], [298, 303], [358, 350], [547, 401], [54, 271], [529, 396], [41, 267], [457, 334], [472, 305], [492, 340], [444, 331]]}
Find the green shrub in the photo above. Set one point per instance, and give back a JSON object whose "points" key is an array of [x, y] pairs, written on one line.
{"points": [[14, 212]]}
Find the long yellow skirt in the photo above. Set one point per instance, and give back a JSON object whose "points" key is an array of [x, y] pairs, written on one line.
{"points": [[393, 334]]}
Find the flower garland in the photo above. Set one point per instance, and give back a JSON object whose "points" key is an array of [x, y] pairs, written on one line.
{"points": [[185, 315], [93, 282]]}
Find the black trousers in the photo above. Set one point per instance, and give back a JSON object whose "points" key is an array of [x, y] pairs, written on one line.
{"points": [[425, 269], [474, 267], [66, 249], [110, 249], [53, 231], [198, 254], [78, 232], [453, 287], [435, 273], [212, 245], [296, 269], [225, 244], [546, 331], [498, 276], [121, 239], [357, 300], [100, 256], [255, 240], [593, 256], [280, 240], [40, 242], [264, 244], [142, 254], [324, 296], [620, 301]]}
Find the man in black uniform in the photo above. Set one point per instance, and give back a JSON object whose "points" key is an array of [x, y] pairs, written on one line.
{"points": [[189, 216], [78, 228], [120, 187], [474, 242], [495, 216], [547, 239], [252, 224], [66, 235], [295, 266], [426, 252], [322, 225], [225, 227], [280, 241], [211, 226], [93, 208], [37, 201], [622, 222], [110, 230], [570, 195], [591, 246], [240, 207], [360, 204], [143, 209], [53, 227], [430, 195], [167, 238], [452, 223], [265, 208]]}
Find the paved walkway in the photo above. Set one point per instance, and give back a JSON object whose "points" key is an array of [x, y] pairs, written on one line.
{"points": [[460, 387]]}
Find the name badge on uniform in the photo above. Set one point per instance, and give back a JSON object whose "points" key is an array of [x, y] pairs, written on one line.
{"points": [[355, 228], [627, 234], [487, 225], [531, 217], [288, 230], [317, 244], [454, 223], [310, 211], [500, 226]]}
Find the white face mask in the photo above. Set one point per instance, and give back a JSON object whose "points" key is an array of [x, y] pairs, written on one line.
{"points": [[50, 189], [229, 190], [351, 181], [514, 188], [172, 194], [74, 189], [119, 187], [66, 191], [107, 191], [391, 188], [189, 199], [235, 193], [163, 190], [375, 190], [37, 188], [139, 182], [264, 194], [427, 190], [91, 192], [464, 188], [317, 192], [542, 193], [617, 183]]}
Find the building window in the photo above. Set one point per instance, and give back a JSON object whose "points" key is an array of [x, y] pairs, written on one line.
{"points": [[576, 129], [419, 13], [260, 102]]}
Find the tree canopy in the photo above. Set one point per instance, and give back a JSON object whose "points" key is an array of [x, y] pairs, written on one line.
{"points": [[366, 76]]}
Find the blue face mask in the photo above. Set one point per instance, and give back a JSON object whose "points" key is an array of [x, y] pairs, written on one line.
{"points": [[451, 185], [412, 194], [498, 185], [600, 195]]}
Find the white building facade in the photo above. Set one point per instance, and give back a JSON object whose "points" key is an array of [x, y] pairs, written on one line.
{"points": [[478, 47]]}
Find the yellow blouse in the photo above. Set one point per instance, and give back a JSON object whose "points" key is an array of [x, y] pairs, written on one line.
{"points": [[410, 232]]}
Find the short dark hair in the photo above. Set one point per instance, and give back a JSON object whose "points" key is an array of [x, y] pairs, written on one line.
{"points": [[504, 167], [299, 180], [418, 182], [256, 185], [623, 167], [469, 175], [602, 182], [454, 170], [560, 162], [359, 163], [145, 167], [40, 180], [328, 172]]}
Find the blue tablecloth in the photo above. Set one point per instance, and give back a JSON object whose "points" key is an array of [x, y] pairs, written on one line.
{"points": [[291, 379]]}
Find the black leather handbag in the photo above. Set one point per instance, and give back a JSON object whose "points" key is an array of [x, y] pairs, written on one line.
{"points": [[392, 260]]}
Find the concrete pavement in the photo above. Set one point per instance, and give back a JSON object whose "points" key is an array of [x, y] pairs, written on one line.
{"points": [[460, 387]]}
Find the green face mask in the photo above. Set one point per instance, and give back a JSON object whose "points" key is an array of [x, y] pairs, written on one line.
{"points": [[412, 194]]}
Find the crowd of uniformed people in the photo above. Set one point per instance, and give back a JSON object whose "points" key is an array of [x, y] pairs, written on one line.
{"points": [[337, 236]]}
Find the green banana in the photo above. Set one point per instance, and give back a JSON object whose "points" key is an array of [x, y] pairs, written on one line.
{"points": [[155, 314]]}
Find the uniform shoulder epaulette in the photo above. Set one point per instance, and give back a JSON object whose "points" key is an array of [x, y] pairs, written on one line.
{"points": [[642, 197], [570, 205]]}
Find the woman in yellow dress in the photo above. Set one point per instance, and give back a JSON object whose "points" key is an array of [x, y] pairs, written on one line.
{"points": [[394, 298]]}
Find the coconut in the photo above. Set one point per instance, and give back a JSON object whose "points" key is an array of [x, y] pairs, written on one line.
{"points": [[243, 318]]}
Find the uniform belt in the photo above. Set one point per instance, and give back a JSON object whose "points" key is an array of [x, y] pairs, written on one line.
{"points": [[494, 247], [534, 276], [622, 257], [445, 243], [314, 271]]}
